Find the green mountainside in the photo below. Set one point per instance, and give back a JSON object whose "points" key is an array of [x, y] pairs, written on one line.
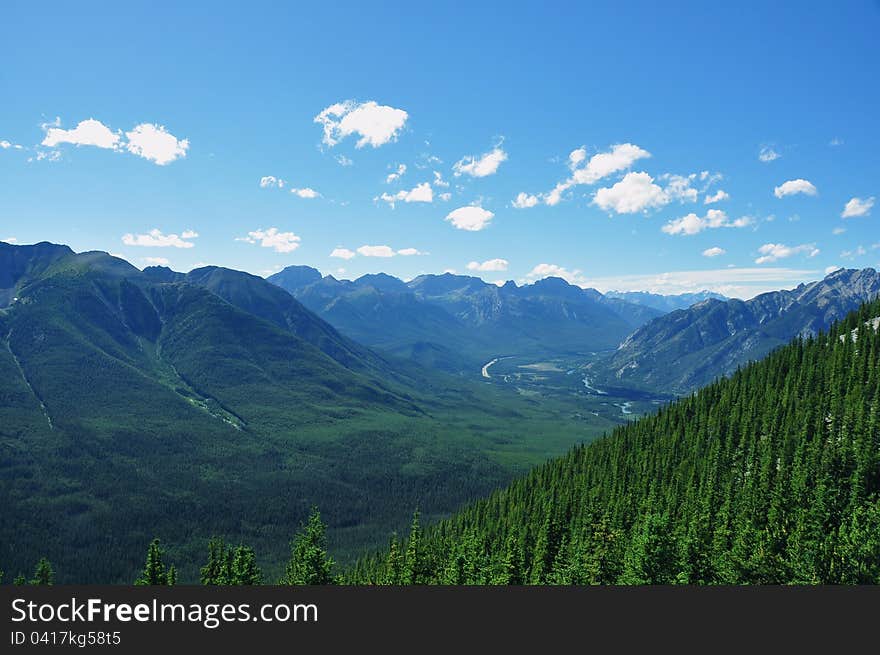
{"points": [[770, 476], [139, 404]]}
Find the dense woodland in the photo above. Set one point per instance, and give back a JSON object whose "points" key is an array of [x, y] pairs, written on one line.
{"points": [[770, 476]]}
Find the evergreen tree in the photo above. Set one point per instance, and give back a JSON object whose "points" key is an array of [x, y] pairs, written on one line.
{"points": [[43, 573], [309, 562], [244, 567], [155, 573]]}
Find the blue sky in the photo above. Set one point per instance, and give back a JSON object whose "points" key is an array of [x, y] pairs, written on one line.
{"points": [[129, 127]]}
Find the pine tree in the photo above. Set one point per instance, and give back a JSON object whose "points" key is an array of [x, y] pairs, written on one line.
{"points": [[43, 573], [155, 572], [244, 567], [309, 562]]}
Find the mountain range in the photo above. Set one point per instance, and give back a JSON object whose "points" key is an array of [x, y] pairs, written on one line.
{"points": [[457, 322], [688, 348]]}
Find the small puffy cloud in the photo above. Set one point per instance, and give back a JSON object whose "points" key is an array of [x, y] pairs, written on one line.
{"points": [[542, 271], [89, 132], [620, 157], [715, 251], [410, 252], [489, 265], [603, 164], [420, 193], [445, 197], [830, 269], [575, 157], [634, 193], [524, 200], [771, 252], [270, 181], [5, 145], [156, 239], [838, 231], [305, 192], [153, 142], [273, 238], [156, 261], [376, 251], [439, 181], [344, 161], [768, 154], [852, 254], [342, 253], [835, 142], [693, 224], [482, 166], [718, 196], [375, 124], [9, 240], [678, 187], [470, 218], [397, 174], [791, 187], [857, 207]]}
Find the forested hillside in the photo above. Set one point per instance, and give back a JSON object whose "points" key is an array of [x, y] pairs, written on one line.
{"points": [[771, 476], [138, 404]]}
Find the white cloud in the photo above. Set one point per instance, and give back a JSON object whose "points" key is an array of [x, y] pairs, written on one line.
{"points": [[575, 157], [410, 252], [792, 187], [155, 239], [718, 196], [634, 193], [305, 192], [524, 200], [470, 218], [89, 132], [771, 252], [153, 142], [482, 166], [272, 238], [830, 269], [835, 142], [439, 181], [857, 207], [397, 174], [715, 251], [733, 282], [375, 124], [489, 265], [852, 254], [342, 160], [376, 251], [9, 240], [768, 154], [270, 181], [838, 230], [445, 196], [542, 271], [420, 193], [52, 155], [8, 144], [693, 224], [342, 253], [619, 158], [157, 261]]}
